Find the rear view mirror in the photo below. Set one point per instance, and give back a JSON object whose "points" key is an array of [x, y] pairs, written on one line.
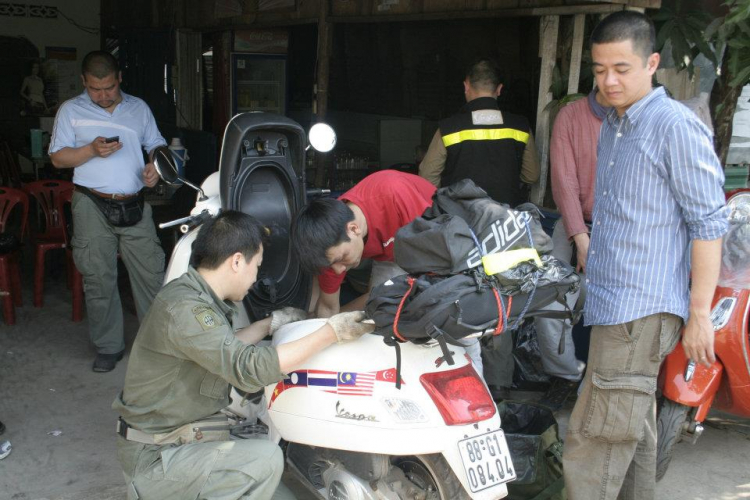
{"points": [[322, 137], [165, 165], [167, 169]]}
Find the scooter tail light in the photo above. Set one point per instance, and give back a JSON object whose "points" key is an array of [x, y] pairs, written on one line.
{"points": [[460, 395]]}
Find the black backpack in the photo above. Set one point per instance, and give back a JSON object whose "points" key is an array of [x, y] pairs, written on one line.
{"points": [[447, 296], [429, 307]]}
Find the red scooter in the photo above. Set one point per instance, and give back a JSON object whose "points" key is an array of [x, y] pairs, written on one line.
{"points": [[688, 390]]}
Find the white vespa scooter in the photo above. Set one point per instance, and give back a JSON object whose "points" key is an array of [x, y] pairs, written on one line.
{"points": [[349, 430]]}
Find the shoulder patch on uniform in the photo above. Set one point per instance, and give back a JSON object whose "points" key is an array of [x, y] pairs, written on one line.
{"points": [[207, 319], [198, 309]]}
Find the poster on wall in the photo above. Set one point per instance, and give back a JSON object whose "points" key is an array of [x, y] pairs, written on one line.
{"points": [[260, 41], [63, 74]]}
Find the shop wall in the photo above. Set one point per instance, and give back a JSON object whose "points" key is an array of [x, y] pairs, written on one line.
{"points": [[76, 26], [415, 70], [28, 28]]}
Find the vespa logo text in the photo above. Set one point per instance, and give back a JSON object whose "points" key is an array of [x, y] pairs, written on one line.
{"points": [[342, 413], [502, 235]]}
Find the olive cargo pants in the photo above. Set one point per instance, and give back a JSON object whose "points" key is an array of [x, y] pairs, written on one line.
{"points": [[236, 469], [610, 447], [96, 244]]}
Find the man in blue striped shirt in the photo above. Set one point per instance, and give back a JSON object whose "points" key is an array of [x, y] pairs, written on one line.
{"points": [[658, 206]]}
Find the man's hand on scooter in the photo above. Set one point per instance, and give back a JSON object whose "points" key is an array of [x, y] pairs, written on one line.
{"points": [[285, 315], [349, 326], [698, 340]]}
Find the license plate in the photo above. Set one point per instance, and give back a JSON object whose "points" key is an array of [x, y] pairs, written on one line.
{"points": [[486, 460]]}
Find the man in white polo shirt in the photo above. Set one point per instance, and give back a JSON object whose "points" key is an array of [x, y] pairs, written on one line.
{"points": [[102, 134]]}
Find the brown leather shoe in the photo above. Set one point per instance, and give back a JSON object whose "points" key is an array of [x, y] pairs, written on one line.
{"points": [[107, 362]]}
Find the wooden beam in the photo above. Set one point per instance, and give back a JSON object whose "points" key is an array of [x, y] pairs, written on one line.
{"points": [[548, 29], [320, 103], [473, 14], [574, 73], [222, 48]]}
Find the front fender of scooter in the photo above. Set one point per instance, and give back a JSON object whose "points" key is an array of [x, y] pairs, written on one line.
{"points": [[699, 391]]}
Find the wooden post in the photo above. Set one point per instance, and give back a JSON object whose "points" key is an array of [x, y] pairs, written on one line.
{"points": [[320, 102], [548, 28], [574, 73], [222, 43], [189, 80]]}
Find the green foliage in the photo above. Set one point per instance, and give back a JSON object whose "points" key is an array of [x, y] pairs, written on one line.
{"points": [[559, 86], [685, 28], [732, 33], [559, 89], [692, 32]]}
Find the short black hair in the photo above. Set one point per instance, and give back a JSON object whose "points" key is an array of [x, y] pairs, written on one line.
{"points": [[319, 226], [224, 235], [627, 25], [99, 64], [484, 74]]}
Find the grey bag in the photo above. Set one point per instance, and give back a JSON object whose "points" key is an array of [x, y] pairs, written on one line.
{"points": [[463, 224]]}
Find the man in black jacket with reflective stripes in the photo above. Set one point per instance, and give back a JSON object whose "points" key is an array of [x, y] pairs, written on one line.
{"points": [[496, 150], [493, 148]]}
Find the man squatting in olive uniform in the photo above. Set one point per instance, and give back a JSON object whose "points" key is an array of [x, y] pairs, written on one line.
{"points": [[183, 361]]}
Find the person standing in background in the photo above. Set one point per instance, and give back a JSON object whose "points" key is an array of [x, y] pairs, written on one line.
{"points": [[101, 134], [496, 150], [493, 148], [573, 168]]}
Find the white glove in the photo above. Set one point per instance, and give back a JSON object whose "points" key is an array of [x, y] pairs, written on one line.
{"points": [[348, 326], [283, 316]]}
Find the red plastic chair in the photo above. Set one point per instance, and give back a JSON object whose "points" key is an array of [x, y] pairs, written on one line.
{"points": [[10, 263], [75, 279], [48, 195]]}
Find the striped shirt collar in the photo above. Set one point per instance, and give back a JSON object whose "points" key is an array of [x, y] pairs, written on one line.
{"points": [[637, 109]]}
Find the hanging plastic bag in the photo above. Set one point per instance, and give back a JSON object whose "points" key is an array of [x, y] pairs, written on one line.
{"points": [[527, 358]]}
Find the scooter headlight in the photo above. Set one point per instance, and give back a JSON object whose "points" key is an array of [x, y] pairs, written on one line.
{"points": [[722, 311], [739, 204]]}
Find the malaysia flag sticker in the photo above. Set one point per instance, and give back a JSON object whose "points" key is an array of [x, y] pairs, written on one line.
{"points": [[355, 384]]}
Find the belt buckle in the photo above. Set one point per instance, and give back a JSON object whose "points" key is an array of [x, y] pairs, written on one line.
{"points": [[122, 427]]}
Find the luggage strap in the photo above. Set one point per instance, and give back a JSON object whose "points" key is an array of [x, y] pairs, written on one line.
{"points": [[411, 281]]}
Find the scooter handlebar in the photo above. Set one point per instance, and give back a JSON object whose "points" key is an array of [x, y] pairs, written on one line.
{"points": [[187, 223], [315, 192]]}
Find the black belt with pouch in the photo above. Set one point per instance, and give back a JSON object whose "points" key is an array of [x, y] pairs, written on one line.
{"points": [[123, 212]]}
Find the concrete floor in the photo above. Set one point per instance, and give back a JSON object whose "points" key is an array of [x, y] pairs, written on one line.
{"points": [[58, 416]]}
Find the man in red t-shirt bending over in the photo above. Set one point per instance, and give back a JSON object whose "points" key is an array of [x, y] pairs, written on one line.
{"points": [[332, 236]]}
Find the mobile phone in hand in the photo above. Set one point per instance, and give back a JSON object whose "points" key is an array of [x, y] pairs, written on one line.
{"points": [[115, 138]]}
